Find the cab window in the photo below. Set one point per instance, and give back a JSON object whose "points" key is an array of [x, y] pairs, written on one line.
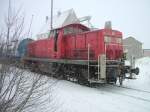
{"points": [[68, 30], [73, 30]]}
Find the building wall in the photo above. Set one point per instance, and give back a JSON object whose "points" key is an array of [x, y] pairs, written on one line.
{"points": [[146, 52], [133, 47]]}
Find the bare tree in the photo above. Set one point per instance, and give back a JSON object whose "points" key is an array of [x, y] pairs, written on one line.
{"points": [[2, 43], [20, 90], [14, 25]]}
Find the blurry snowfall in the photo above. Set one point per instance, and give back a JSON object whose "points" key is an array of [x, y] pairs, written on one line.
{"points": [[71, 97]]}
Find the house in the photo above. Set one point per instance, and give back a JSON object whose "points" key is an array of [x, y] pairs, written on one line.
{"points": [[59, 20], [133, 47]]}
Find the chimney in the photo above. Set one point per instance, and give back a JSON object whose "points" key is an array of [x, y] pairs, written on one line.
{"points": [[108, 25]]}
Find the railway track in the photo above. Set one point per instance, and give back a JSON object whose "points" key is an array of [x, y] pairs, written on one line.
{"points": [[127, 91], [139, 90]]}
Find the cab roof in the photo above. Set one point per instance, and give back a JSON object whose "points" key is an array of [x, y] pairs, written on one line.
{"points": [[78, 25]]}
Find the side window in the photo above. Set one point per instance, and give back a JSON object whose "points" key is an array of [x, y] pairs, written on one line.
{"points": [[80, 30], [76, 30]]}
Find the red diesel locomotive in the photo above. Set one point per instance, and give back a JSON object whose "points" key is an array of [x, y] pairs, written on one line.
{"points": [[74, 52]]}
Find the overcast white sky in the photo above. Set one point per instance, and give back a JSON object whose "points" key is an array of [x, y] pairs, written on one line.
{"points": [[132, 17]]}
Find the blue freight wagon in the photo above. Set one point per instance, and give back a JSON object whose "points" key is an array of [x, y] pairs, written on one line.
{"points": [[22, 47]]}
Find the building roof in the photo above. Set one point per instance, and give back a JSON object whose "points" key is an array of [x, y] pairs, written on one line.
{"points": [[60, 20], [146, 49], [132, 38]]}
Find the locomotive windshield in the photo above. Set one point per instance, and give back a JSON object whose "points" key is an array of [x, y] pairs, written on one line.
{"points": [[73, 30]]}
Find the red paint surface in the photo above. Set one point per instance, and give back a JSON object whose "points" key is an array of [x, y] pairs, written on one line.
{"points": [[75, 46]]}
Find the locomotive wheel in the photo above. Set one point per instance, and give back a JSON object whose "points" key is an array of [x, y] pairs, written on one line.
{"points": [[34, 67], [82, 77], [72, 73], [59, 71]]}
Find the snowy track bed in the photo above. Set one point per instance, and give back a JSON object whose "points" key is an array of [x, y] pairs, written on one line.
{"points": [[134, 96], [128, 92], [77, 98]]}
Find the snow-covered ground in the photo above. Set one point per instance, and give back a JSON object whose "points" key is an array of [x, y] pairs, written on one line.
{"points": [[66, 96], [72, 97]]}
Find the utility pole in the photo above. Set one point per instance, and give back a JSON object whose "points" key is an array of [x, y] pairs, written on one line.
{"points": [[30, 25], [51, 14], [8, 27]]}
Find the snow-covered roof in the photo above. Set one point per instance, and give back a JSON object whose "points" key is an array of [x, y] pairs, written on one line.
{"points": [[65, 18], [59, 20], [132, 38]]}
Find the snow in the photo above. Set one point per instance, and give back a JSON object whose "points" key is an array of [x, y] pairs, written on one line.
{"points": [[71, 97], [65, 96], [76, 98]]}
